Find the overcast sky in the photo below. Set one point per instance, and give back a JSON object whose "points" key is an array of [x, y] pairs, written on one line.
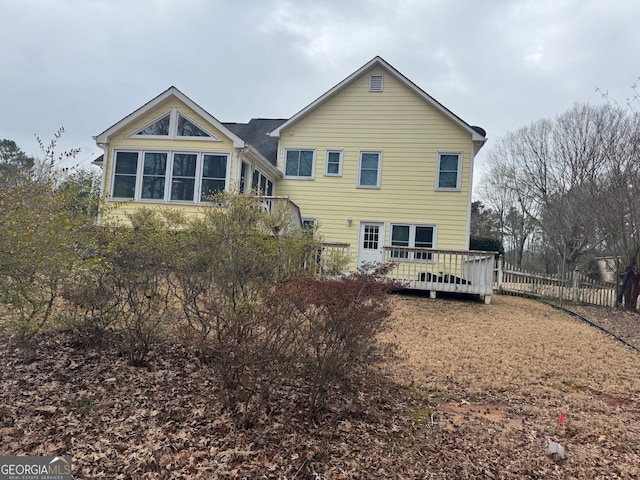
{"points": [[499, 64]]}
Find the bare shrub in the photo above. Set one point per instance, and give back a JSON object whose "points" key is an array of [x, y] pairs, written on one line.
{"points": [[342, 320], [230, 266]]}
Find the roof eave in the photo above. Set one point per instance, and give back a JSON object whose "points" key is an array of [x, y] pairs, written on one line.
{"points": [[265, 163], [369, 65], [171, 91]]}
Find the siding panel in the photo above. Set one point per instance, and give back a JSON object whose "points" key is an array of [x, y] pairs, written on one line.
{"points": [[409, 133]]}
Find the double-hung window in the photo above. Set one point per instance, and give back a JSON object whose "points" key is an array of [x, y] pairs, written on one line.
{"points": [[126, 171], [299, 163], [169, 176], [154, 173], [369, 169], [333, 165], [214, 175], [448, 171], [412, 236], [183, 179]]}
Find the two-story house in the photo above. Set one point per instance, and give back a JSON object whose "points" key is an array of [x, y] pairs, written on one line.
{"points": [[374, 162]]}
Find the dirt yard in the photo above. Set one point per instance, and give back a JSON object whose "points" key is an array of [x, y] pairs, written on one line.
{"points": [[476, 391]]}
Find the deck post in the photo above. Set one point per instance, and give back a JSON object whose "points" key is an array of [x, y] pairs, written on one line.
{"points": [[487, 299], [432, 294]]}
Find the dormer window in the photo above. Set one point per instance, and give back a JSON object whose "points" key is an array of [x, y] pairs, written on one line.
{"points": [[174, 125], [375, 83]]}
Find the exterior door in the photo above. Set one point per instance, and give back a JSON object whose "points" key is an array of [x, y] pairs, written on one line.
{"points": [[371, 242]]}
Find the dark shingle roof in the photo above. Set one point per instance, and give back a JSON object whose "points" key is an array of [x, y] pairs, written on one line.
{"points": [[255, 134]]}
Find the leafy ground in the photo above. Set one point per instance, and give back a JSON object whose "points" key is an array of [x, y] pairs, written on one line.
{"points": [[476, 391]]}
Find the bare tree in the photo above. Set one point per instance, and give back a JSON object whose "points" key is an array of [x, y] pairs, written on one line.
{"points": [[619, 218], [550, 171]]}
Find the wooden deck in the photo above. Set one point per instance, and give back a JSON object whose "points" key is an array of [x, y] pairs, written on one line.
{"points": [[433, 270]]}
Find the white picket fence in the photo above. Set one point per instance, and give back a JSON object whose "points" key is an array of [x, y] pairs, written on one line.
{"points": [[575, 287]]}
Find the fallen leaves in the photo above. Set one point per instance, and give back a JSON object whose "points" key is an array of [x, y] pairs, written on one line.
{"points": [[453, 421]]}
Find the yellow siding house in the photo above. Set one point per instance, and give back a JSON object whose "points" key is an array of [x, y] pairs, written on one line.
{"points": [[375, 163]]}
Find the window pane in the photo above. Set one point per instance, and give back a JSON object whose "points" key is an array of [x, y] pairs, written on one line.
{"points": [[244, 171], [299, 163], [333, 168], [424, 237], [184, 165], [124, 186], [263, 185], [161, 127], [369, 177], [370, 161], [291, 163], [155, 163], [127, 162], [255, 179], [400, 235], [448, 180], [334, 157], [449, 163], [333, 163], [399, 238], [269, 188], [188, 129], [306, 163], [371, 236], [182, 189], [153, 187], [211, 186], [214, 166]]}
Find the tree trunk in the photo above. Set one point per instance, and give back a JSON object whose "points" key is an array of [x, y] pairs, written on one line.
{"points": [[631, 294], [630, 288]]}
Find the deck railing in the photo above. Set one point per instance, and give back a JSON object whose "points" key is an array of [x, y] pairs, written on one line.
{"points": [[463, 271], [332, 259], [271, 204]]}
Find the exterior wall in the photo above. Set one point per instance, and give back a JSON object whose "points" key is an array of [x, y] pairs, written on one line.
{"points": [[409, 133], [119, 141]]}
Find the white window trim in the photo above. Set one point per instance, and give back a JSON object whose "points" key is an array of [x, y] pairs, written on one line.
{"points": [[326, 162], [458, 178], [199, 170], [173, 129], [297, 177], [113, 174], [412, 239], [377, 186], [312, 220], [168, 176], [140, 176]]}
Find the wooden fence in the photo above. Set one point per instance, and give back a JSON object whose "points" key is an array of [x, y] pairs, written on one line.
{"points": [[575, 287]]}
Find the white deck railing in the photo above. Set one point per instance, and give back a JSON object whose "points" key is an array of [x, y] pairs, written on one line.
{"points": [[462, 271], [271, 203]]}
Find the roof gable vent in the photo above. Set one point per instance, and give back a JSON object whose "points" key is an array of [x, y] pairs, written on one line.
{"points": [[375, 83]]}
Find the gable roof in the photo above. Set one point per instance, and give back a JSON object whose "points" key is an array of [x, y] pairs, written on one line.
{"points": [[168, 93], [380, 62], [256, 134]]}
